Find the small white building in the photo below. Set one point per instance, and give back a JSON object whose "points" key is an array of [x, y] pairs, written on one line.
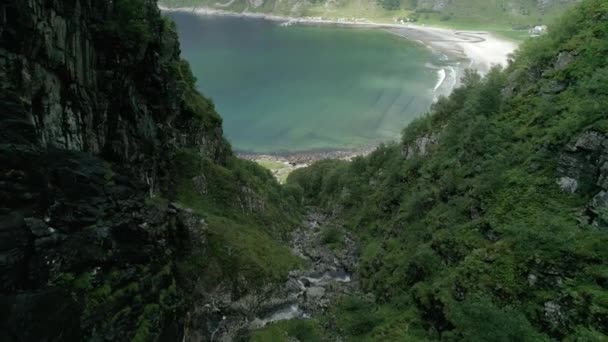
{"points": [[538, 30]]}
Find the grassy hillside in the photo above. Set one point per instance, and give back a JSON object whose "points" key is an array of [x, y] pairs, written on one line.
{"points": [[487, 222], [497, 15]]}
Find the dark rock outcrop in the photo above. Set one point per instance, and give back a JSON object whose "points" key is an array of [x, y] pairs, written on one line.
{"points": [[84, 231], [419, 147], [94, 103], [584, 165]]}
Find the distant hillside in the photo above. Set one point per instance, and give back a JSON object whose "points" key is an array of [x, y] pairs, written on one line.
{"points": [[495, 13]]}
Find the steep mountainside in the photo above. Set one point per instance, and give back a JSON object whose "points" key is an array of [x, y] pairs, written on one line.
{"points": [[124, 214], [490, 13], [122, 207], [489, 221]]}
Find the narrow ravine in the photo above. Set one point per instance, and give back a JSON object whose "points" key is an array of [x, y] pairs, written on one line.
{"points": [[329, 254]]}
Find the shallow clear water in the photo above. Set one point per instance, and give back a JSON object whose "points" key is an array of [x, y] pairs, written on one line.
{"points": [[300, 88]]}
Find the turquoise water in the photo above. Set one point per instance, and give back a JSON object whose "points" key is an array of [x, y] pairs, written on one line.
{"points": [[301, 88]]}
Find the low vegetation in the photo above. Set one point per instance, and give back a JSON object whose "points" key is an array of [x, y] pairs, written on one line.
{"points": [[249, 218], [332, 237], [302, 330]]}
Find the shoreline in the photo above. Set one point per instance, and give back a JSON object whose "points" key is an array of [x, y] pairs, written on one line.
{"points": [[308, 157], [281, 164], [478, 50], [482, 48]]}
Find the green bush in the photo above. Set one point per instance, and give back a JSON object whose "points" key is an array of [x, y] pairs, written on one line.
{"points": [[331, 236], [302, 330], [356, 317], [478, 320], [129, 23]]}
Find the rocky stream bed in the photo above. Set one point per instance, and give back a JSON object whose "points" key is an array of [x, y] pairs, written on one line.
{"points": [[308, 292]]}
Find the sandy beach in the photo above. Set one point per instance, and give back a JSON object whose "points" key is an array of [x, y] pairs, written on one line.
{"points": [[477, 50], [481, 48]]}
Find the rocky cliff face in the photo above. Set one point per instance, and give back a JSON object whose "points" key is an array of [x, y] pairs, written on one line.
{"points": [[583, 166], [94, 102], [90, 76]]}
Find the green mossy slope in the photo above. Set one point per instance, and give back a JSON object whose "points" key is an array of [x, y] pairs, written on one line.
{"points": [[470, 227]]}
